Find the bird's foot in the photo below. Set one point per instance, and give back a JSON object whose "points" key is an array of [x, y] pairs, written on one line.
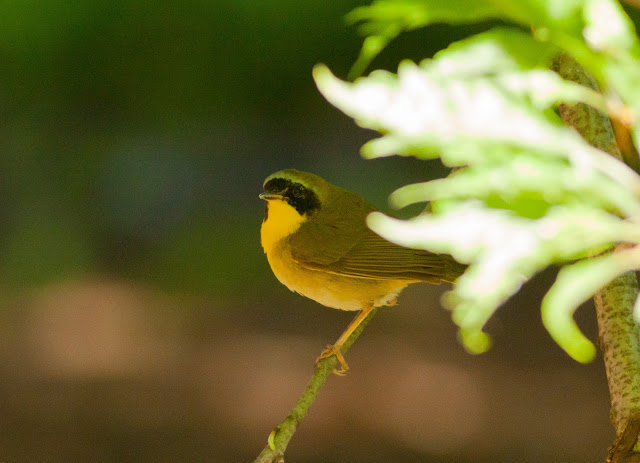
{"points": [[335, 350]]}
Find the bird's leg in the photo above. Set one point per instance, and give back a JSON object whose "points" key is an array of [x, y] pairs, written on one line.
{"points": [[335, 349]]}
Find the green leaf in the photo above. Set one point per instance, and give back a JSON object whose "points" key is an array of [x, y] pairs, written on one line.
{"points": [[576, 230], [503, 249], [597, 32], [545, 89], [636, 311], [496, 51], [574, 285], [522, 181], [608, 28], [499, 246], [475, 341], [610, 50], [622, 77], [530, 192], [462, 120], [384, 20]]}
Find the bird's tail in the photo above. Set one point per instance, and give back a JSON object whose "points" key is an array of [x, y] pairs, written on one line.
{"points": [[453, 269]]}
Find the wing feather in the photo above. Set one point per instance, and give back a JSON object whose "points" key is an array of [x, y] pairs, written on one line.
{"points": [[334, 245]]}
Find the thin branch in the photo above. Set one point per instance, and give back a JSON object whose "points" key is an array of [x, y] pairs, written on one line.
{"points": [[618, 333], [281, 435]]}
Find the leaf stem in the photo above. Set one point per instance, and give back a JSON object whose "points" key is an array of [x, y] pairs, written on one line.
{"points": [[282, 434], [618, 333]]}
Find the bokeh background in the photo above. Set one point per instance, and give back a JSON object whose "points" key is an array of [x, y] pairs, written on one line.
{"points": [[139, 320]]}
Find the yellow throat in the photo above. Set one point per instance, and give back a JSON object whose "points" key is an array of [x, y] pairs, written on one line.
{"points": [[282, 220]]}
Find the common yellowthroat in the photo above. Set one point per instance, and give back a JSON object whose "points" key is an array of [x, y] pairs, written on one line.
{"points": [[318, 244]]}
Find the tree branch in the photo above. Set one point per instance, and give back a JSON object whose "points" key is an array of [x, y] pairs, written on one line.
{"points": [[281, 435], [619, 335]]}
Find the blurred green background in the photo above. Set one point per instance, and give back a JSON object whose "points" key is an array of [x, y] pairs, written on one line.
{"points": [[139, 320]]}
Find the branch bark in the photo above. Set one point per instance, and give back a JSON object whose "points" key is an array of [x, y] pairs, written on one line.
{"points": [[618, 333], [282, 434]]}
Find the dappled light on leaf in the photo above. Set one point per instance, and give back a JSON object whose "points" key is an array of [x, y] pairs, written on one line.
{"points": [[574, 285], [524, 182], [493, 52], [382, 21], [425, 115], [496, 244], [607, 26], [529, 191], [504, 250]]}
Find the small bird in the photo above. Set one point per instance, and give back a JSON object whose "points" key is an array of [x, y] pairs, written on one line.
{"points": [[318, 244]]}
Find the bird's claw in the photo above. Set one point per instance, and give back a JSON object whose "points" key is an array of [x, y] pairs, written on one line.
{"points": [[335, 350]]}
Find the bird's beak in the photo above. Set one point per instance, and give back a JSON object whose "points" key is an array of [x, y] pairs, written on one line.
{"points": [[267, 196]]}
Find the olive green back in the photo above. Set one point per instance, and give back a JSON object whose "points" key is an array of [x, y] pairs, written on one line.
{"points": [[336, 239]]}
